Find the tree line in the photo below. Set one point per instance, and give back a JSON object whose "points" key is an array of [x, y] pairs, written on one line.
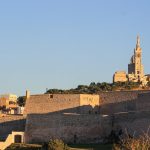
{"points": [[92, 88]]}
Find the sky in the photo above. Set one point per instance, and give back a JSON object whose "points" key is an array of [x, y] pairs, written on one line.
{"points": [[66, 43]]}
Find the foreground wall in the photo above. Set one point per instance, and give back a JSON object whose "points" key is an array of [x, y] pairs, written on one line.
{"points": [[71, 128], [11, 123], [133, 123], [11, 139], [69, 117], [74, 117]]}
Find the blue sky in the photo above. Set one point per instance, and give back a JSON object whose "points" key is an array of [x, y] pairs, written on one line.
{"points": [[64, 43]]}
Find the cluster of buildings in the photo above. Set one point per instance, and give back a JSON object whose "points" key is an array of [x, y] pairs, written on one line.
{"points": [[8, 104], [135, 69]]}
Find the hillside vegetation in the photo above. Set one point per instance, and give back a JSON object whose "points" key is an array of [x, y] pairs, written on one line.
{"points": [[95, 88]]}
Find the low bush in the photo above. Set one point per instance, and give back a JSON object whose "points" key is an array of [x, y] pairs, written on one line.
{"points": [[55, 144], [129, 143]]}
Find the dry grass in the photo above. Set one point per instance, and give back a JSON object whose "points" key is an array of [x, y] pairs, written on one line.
{"points": [[131, 143]]}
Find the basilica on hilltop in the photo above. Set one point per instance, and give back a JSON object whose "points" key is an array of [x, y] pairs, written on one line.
{"points": [[135, 68]]}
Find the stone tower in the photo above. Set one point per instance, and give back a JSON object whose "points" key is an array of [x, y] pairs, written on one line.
{"points": [[135, 68]]}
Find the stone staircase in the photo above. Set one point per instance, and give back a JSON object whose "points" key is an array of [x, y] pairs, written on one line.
{"points": [[11, 139]]}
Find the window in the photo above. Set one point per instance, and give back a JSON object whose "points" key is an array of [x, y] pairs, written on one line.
{"points": [[51, 96], [11, 102]]}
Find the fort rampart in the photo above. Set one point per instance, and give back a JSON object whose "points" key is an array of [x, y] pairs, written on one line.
{"points": [[11, 123], [72, 128], [71, 103], [83, 128], [123, 101], [81, 118]]}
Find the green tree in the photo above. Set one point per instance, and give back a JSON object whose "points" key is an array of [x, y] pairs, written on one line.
{"points": [[21, 100]]}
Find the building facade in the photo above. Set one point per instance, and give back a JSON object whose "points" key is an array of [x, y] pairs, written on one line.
{"points": [[120, 76], [8, 102]]}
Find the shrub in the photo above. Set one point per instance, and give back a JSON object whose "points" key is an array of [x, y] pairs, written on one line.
{"points": [[129, 143], [57, 145]]}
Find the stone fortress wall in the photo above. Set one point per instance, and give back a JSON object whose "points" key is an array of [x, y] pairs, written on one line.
{"points": [[104, 103], [79, 122], [71, 128], [134, 123], [143, 102], [80, 118], [47, 103], [72, 103], [11, 123], [83, 128], [71, 117], [123, 101]]}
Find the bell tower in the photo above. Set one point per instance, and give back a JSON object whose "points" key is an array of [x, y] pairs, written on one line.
{"points": [[138, 59], [135, 67]]}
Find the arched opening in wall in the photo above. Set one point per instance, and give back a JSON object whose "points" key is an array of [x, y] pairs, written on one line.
{"points": [[18, 139]]}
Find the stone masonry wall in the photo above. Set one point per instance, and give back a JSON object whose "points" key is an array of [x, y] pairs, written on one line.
{"points": [[119, 96], [72, 103], [51, 103], [120, 101], [89, 103], [71, 128], [60, 116], [143, 102], [75, 128], [11, 123], [108, 103], [133, 123]]}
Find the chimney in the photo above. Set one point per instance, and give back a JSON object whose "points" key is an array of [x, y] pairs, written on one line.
{"points": [[27, 94]]}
